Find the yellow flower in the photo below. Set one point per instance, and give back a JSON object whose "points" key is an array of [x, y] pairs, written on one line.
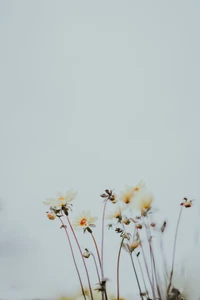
{"points": [[61, 200], [144, 201], [84, 220]]}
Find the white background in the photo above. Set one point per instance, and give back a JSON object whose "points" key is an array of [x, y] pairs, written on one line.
{"points": [[94, 95]]}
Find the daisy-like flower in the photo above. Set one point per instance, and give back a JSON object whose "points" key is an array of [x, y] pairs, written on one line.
{"points": [[84, 220], [61, 200], [128, 195], [115, 214]]}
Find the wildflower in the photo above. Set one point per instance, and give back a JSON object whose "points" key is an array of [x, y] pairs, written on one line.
{"points": [[51, 215], [84, 221], [86, 253], [116, 214], [128, 195], [61, 200]]}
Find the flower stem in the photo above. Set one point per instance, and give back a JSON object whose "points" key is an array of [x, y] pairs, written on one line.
{"points": [[174, 251], [142, 273], [97, 250], [95, 262], [98, 255], [102, 238], [72, 252], [102, 246], [138, 283], [118, 260], [86, 270]]}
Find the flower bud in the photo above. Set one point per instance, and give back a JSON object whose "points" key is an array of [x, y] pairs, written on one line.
{"points": [[86, 253], [138, 226], [51, 215]]}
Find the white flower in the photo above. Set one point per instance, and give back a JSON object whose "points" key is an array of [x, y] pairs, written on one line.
{"points": [[130, 192], [84, 220], [61, 200], [115, 214]]}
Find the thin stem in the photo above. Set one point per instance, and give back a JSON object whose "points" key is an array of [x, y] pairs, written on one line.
{"points": [[86, 270], [98, 255], [95, 262], [102, 238], [142, 273], [138, 283], [97, 250], [148, 234], [153, 258], [102, 246], [118, 260], [174, 251], [72, 252], [146, 266]]}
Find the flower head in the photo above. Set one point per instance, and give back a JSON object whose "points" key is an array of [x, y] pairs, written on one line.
{"points": [[128, 195], [116, 214], [61, 200], [84, 221]]}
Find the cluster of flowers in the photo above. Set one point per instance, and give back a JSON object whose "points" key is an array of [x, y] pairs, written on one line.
{"points": [[135, 234]]}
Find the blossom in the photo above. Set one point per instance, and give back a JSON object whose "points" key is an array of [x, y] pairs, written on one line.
{"points": [[128, 195], [115, 214], [84, 220], [61, 200]]}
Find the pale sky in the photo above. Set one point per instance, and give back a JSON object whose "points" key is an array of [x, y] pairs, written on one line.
{"points": [[94, 95]]}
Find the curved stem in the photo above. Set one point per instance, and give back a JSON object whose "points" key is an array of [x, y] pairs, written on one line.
{"points": [[98, 255], [86, 270], [118, 260], [72, 252], [142, 273], [97, 250], [95, 262], [138, 283], [174, 251], [102, 238]]}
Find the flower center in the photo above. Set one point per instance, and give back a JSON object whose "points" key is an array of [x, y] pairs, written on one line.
{"points": [[61, 198], [136, 189], [83, 221]]}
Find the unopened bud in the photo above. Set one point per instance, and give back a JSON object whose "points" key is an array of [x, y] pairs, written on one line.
{"points": [[153, 224], [86, 253], [126, 221], [138, 226], [51, 215]]}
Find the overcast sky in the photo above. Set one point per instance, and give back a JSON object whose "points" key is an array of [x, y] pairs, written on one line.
{"points": [[94, 95]]}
